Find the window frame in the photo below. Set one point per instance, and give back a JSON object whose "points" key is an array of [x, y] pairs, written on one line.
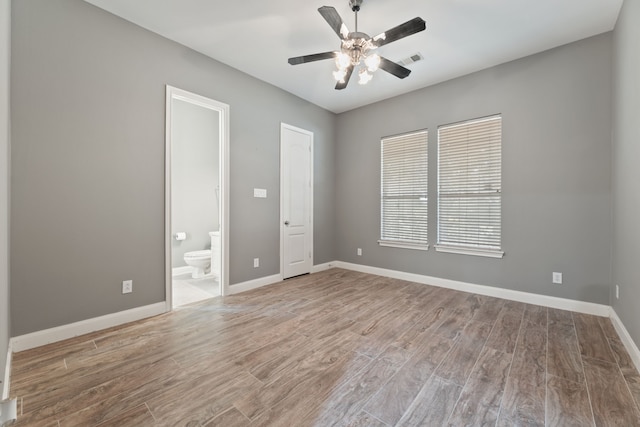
{"points": [[421, 196], [467, 248]]}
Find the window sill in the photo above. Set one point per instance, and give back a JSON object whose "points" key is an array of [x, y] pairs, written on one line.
{"points": [[490, 253], [402, 245]]}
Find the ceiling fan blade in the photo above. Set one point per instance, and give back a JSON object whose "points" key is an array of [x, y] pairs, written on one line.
{"points": [[347, 76], [334, 20], [401, 31], [310, 58], [394, 68]]}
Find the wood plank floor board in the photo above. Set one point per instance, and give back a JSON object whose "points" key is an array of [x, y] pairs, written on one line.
{"points": [[346, 402], [568, 403], [190, 407], [335, 348], [505, 330], [230, 418], [535, 316], [305, 402], [138, 416], [591, 338], [564, 358], [397, 394], [611, 400], [489, 310], [59, 404], [523, 401], [479, 403], [433, 405], [462, 357], [328, 349], [366, 420], [255, 402]]}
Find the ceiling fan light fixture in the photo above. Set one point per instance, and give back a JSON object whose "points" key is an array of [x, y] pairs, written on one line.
{"points": [[339, 75], [372, 62], [342, 60], [364, 77]]}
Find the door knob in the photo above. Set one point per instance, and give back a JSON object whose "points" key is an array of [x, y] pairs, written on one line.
{"points": [[286, 223]]}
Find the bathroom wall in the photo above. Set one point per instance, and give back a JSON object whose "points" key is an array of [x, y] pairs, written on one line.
{"points": [[87, 158], [195, 169]]}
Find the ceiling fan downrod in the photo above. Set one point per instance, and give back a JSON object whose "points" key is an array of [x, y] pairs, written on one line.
{"points": [[355, 7]]}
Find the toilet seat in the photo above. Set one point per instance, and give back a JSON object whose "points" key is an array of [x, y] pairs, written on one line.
{"points": [[198, 254]]}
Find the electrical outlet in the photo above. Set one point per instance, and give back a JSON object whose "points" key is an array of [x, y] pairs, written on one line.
{"points": [[617, 292], [127, 286], [359, 251], [256, 262], [557, 278]]}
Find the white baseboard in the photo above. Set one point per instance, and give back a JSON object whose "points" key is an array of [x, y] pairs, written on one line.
{"points": [[526, 297], [7, 373], [322, 267], [631, 346], [59, 333], [178, 271], [270, 280], [254, 284]]}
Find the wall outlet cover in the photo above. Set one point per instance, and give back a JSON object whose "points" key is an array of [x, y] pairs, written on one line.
{"points": [[557, 278], [127, 286]]}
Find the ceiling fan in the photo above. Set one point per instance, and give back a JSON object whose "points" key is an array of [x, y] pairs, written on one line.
{"points": [[357, 47]]}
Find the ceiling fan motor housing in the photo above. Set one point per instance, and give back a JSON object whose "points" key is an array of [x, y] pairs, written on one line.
{"points": [[355, 5]]}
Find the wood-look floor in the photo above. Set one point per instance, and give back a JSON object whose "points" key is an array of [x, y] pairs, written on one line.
{"points": [[337, 348]]}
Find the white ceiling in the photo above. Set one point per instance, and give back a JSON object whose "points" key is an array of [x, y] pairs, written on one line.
{"points": [[462, 36]]}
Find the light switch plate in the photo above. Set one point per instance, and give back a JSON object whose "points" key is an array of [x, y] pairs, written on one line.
{"points": [[260, 193]]}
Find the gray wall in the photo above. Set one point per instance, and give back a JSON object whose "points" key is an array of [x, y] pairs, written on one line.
{"points": [[87, 203], [195, 167], [5, 44], [626, 172], [556, 172]]}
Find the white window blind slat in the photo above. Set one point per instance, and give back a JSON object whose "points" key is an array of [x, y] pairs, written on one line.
{"points": [[470, 184], [404, 211]]}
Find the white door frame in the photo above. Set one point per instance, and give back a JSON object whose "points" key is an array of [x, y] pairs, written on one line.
{"points": [[282, 219], [173, 93]]}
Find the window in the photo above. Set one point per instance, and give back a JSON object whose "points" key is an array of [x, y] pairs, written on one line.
{"points": [[470, 187], [403, 220]]}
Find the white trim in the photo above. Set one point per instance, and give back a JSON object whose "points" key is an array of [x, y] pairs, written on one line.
{"points": [[631, 346], [526, 297], [254, 284], [491, 253], [311, 183], [390, 244], [7, 372], [178, 271], [225, 129], [322, 267], [59, 333]]}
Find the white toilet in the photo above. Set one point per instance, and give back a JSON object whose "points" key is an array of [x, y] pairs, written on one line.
{"points": [[200, 261], [205, 261]]}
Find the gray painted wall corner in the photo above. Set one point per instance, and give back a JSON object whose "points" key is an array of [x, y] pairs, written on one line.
{"points": [[625, 171]]}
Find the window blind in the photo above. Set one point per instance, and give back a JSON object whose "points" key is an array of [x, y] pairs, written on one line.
{"points": [[470, 184], [404, 190]]}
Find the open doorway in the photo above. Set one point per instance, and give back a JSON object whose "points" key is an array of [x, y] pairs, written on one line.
{"points": [[196, 239]]}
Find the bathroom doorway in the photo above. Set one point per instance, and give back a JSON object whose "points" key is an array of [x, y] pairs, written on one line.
{"points": [[196, 190]]}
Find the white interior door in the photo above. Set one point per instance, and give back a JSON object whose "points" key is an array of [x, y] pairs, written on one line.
{"points": [[296, 147]]}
